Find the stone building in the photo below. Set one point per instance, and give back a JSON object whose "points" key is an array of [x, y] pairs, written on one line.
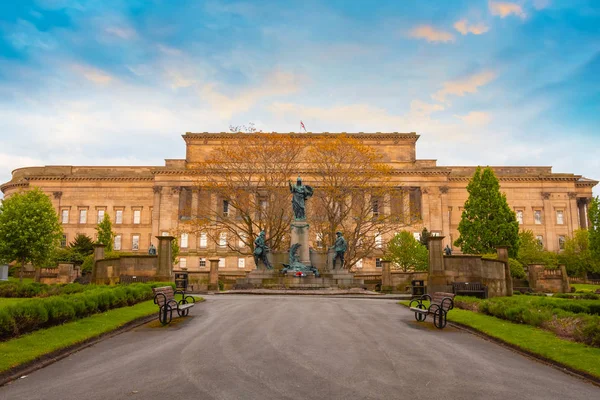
{"points": [[144, 202]]}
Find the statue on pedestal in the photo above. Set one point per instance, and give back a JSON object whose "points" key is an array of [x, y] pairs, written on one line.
{"points": [[340, 246], [295, 265], [152, 250], [300, 193], [260, 251]]}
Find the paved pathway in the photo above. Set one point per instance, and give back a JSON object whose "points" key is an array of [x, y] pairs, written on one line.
{"points": [[275, 347]]}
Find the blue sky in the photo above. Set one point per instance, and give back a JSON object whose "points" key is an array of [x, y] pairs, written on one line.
{"points": [[116, 82]]}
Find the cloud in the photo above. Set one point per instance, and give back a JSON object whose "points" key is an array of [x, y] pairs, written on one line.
{"points": [[464, 28], [126, 33], [504, 9], [93, 74], [476, 118], [430, 34], [464, 86], [418, 107]]}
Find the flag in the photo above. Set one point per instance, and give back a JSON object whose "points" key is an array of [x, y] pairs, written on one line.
{"points": [[302, 126]]}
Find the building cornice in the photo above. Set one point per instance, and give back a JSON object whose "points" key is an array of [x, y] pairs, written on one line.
{"points": [[387, 136]]}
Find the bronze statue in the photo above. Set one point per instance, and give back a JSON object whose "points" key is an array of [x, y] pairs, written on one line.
{"points": [[260, 251], [152, 250], [340, 246], [300, 193], [448, 250]]}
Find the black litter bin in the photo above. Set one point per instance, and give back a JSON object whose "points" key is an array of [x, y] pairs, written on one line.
{"points": [[181, 281], [417, 288]]}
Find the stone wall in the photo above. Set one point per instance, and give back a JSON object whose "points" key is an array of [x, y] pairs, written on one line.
{"points": [[548, 280]]}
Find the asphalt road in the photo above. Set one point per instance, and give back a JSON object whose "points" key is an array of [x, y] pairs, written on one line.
{"points": [[297, 347]]}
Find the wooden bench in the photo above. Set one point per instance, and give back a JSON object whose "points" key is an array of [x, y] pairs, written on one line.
{"points": [[469, 288], [439, 306], [164, 297]]}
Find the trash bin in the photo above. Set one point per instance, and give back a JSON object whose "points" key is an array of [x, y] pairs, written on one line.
{"points": [[417, 288], [181, 281]]}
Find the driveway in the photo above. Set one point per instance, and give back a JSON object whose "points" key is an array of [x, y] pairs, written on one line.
{"points": [[297, 347]]}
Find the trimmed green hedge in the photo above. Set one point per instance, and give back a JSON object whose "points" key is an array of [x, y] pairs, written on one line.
{"points": [[34, 314], [16, 289]]}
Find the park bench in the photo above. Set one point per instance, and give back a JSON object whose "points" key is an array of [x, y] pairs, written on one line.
{"points": [[164, 297], [439, 305], [470, 288]]}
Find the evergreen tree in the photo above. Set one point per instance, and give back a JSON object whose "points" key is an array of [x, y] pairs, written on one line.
{"points": [[487, 220], [407, 253], [425, 238], [105, 233], [29, 228], [594, 231]]}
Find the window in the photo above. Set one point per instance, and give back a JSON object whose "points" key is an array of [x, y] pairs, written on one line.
{"points": [[100, 215], [225, 208], [63, 241], [221, 263], [241, 263], [65, 216], [183, 263], [117, 244], [378, 263], [561, 242], [537, 217], [223, 239], [540, 240], [560, 218], [184, 241], [520, 217], [203, 263], [378, 241], [203, 239], [242, 240], [82, 216], [319, 241], [359, 263], [163, 233], [135, 242], [119, 217], [137, 216], [375, 207]]}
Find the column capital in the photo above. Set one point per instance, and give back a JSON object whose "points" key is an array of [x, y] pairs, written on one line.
{"points": [[57, 195], [157, 189], [546, 195], [444, 189]]}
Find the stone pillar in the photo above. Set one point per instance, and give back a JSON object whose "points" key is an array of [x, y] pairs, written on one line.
{"points": [[582, 205], [566, 288], [213, 277], [444, 214], [165, 261], [502, 252], [386, 276], [156, 211], [98, 255], [436, 281], [300, 235]]}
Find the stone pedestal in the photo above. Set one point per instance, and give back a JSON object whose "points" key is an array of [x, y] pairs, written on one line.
{"points": [[502, 252], [299, 234], [164, 272], [340, 277], [213, 277], [437, 281]]}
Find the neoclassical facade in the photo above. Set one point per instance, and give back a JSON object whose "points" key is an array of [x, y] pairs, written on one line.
{"points": [[144, 202]]}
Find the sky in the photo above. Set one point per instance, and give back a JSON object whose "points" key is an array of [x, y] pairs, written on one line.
{"points": [[117, 82]]}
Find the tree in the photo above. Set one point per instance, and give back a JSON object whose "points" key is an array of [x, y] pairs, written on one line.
{"points": [[105, 233], [250, 185], [353, 194], [594, 231], [487, 220], [577, 256], [29, 228], [424, 239], [406, 253], [531, 251]]}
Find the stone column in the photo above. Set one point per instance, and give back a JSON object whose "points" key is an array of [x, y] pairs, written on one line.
{"points": [[436, 281], [445, 218], [213, 278], [386, 276], [164, 270], [583, 219], [156, 211], [548, 220], [300, 235], [98, 255], [502, 252], [572, 206]]}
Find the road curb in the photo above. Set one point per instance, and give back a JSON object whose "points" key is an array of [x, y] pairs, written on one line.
{"points": [[50, 358]]}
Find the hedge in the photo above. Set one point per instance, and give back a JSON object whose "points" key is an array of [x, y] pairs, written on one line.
{"points": [[34, 314], [16, 289]]}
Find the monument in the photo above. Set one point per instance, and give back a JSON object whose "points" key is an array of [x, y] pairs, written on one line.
{"points": [[260, 251]]}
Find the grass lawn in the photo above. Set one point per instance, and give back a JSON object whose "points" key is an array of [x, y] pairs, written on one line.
{"points": [[16, 279], [575, 355], [583, 286], [36, 344]]}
